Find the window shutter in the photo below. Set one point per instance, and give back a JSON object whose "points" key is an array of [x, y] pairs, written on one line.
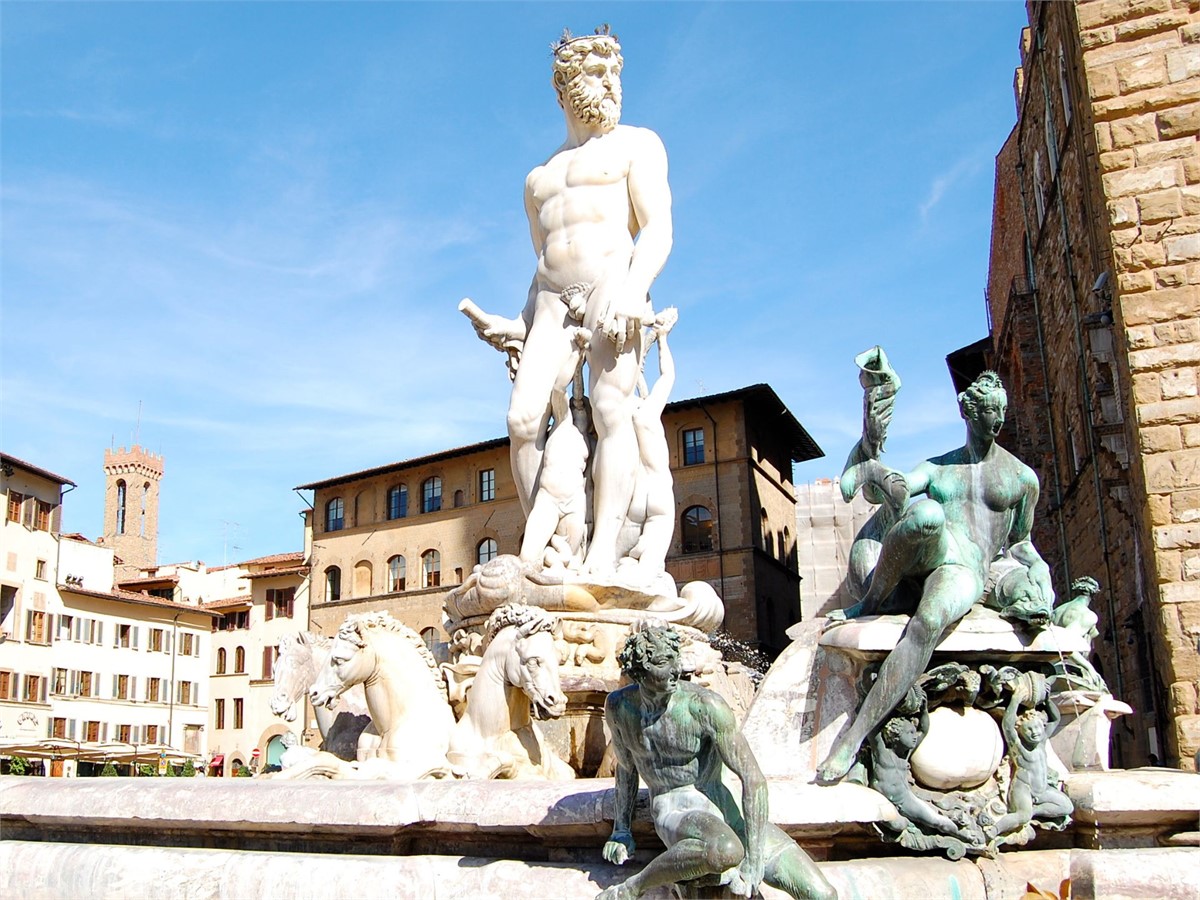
{"points": [[114, 693], [99, 632], [291, 604], [29, 624], [167, 643], [103, 731], [73, 681], [196, 645], [50, 628], [50, 727], [135, 638], [269, 609], [44, 682], [78, 626], [117, 636]]}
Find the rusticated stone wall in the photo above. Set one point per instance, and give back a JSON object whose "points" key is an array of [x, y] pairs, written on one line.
{"points": [[1142, 64]]}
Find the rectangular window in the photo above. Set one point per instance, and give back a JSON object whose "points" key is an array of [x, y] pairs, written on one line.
{"points": [[281, 602], [91, 731], [36, 628], [693, 446], [150, 734], [7, 685], [35, 686], [15, 500], [487, 485], [220, 713], [156, 639], [237, 713], [431, 495], [153, 687], [122, 691], [65, 625], [42, 516], [39, 570], [185, 693], [60, 682], [58, 728], [185, 644], [125, 734], [268, 663], [86, 684]]}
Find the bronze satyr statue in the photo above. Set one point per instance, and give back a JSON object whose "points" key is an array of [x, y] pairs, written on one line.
{"points": [[678, 736]]}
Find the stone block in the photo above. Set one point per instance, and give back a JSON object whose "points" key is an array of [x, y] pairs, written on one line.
{"points": [[1168, 564], [1190, 34], [1140, 180], [1189, 196], [1159, 507], [1185, 506], [1183, 63], [1179, 148], [1163, 872], [1141, 337], [1176, 537], [1181, 226], [1135, 282], [1179, 122], [1160, 439], [1178, 383], [1166, 21], [1097, 37], [1183, 248], [1191, 170], [1123, 211], [1146, 388], [1162, 357], [1165, 97], [1106, 12], [1189, 564], [1181, 592], [1140, 73], [1191, 435], [1175, 471], [1183, 698], [1160, 205], [1149, 255], [1184, 411], [1117, 160], [1102, 83], [1170, 277]]}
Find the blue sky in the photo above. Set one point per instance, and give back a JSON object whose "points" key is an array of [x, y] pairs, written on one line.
{"points": [[256, 221]]}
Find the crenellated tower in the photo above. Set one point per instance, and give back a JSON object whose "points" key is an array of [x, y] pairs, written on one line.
{"points": [[131, 507]]}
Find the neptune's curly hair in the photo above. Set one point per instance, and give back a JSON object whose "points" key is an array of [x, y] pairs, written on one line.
{"points": [[641, 643]]}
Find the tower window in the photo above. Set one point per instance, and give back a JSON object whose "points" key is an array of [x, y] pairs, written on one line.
{"points": [[333, 584], [431, 569], [693, 446], [487, 485], [396, 572], [121, 507]]}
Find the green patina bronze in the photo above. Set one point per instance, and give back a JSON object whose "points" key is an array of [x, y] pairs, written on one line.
{"points": [[933, 558], [678, 737]]}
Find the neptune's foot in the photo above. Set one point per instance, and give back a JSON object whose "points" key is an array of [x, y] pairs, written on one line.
{"points": [[837, 764]]}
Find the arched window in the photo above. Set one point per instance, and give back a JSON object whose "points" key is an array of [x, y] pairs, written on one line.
{"points": [[335, 514], [121, 506], [1064, 86], [790, 551], [333, 584], [431, 569], [239, 660], [362, 579], [458, 499], [221, 661], [697, 530], [486, 551], [768, 538], [782, 548], [431, 495], [1039, 189], [396, 572], [397, 501]]}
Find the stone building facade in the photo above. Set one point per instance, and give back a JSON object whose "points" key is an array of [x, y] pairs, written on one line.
{"points": [[1094, 312], [396, 537], [245, 649]]}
